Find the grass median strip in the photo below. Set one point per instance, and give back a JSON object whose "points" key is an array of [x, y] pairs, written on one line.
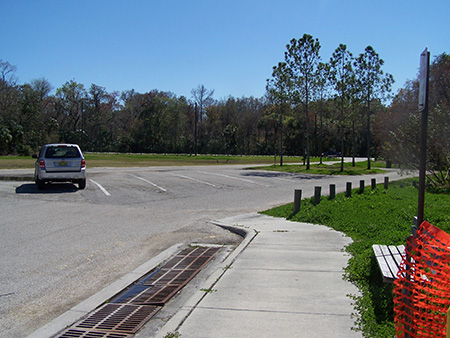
{"points": [[334, 168]]}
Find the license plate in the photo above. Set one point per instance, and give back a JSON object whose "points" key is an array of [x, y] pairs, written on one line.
{"points": [[63, 164]]}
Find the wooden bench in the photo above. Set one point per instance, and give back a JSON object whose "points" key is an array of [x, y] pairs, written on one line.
{"points": [[389, 259]]}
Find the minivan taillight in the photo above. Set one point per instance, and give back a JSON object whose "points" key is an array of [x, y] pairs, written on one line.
{"points": [[83, 163], [41, 164]]}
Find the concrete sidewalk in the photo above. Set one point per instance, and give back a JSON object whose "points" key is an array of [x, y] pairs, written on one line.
{"points": [[284, 280]]}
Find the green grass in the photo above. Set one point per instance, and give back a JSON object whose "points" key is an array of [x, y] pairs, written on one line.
{"points": [[16, 162], [331, 169], [375, 217], [145, 160]]}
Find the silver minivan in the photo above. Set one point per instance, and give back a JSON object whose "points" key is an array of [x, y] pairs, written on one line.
{"points": [[60, 163]]}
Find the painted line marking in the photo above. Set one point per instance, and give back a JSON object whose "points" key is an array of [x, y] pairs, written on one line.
{"points": [[234, 178], [101, 188], [151, 183], [194, 179]]}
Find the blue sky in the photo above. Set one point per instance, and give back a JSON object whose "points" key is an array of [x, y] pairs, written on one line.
{"points": [[229, 46]]}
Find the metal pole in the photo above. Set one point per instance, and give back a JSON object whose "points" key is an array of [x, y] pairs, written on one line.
{"points": [[195, 129], [423, 102], [448, 323], [281, 138]]}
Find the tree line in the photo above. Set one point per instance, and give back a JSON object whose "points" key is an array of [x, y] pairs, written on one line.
{"points": [[310, 107], [158, 121]]}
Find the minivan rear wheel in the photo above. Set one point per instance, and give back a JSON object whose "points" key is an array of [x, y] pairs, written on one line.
{"points": [[40, 184], [82, 184]]}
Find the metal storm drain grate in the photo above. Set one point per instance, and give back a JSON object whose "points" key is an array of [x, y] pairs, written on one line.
{"points": [[123, 318], [158, 295], [171, 277], [191, 258], [74, 333], [130, 310]]}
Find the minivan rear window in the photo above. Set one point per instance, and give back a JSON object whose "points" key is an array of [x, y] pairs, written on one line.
{"points": [[62, 152]]}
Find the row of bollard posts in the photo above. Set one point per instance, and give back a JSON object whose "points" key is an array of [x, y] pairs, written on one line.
{"points": [[332, 194]]}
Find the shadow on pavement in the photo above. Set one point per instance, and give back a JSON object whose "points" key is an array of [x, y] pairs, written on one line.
{"points": [[273, 174], [56, 188]]}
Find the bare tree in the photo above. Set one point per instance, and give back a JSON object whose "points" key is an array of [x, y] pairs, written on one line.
{"points": [[7, 73], [8, 87], [42, 87], [203, 98]]}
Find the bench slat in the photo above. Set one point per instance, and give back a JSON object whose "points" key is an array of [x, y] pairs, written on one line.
{"points": [[377, 250], [397, 254], [392, 265], [389, 259], [384, 267]]}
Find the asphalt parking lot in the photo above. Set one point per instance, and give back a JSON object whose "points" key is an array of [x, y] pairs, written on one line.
{"points": [[61, 245]]}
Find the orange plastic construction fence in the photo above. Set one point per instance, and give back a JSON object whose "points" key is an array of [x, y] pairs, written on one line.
{"points": [[422, 289]]}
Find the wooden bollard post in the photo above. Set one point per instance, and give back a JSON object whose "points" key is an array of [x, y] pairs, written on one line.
{"points": [[348, 192], [332, 191], [361, 186], [386, 182], [374, 183], [317, 193], [297, 199]]}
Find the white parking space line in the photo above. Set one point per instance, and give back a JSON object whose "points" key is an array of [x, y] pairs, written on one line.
{"points": [[194, 179], [101, 188], [151, 183], [234, 178]]}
